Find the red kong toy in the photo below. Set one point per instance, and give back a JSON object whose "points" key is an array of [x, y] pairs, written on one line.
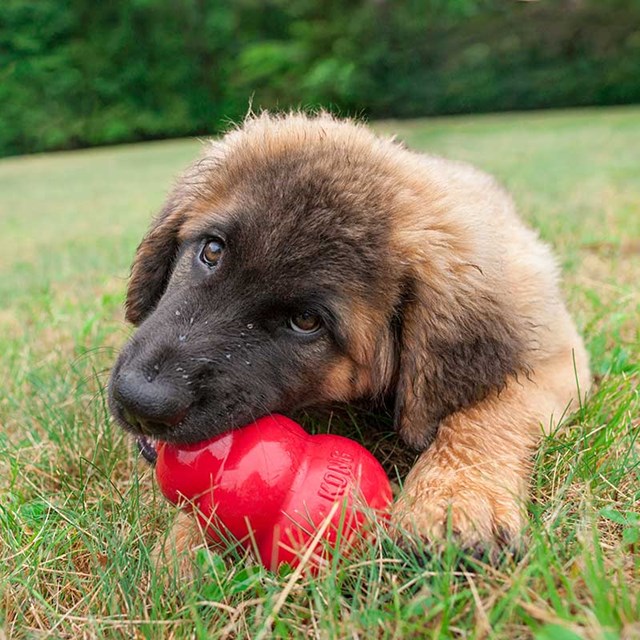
{"points": [[273, 487]]}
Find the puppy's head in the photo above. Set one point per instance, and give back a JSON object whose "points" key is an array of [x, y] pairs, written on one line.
{"points": [[288, 269]]}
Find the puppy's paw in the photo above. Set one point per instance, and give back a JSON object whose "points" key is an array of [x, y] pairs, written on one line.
{"points": [[173, 555], [486, 524]]}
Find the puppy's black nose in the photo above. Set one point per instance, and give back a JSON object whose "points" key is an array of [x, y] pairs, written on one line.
{"points": [[148, 404]]}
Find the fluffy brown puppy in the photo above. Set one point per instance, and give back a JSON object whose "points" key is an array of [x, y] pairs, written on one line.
{"points": [[303, 260]]}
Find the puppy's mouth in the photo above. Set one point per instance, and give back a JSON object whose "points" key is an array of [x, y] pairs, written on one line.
{"points": [[145, 434], [147, 449], [150, 427]]}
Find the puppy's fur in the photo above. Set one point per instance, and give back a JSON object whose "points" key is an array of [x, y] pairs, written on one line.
{"points": [[429, 288]]}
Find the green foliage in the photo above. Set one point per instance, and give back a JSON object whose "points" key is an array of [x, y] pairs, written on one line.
{"points": [[82, 73]]}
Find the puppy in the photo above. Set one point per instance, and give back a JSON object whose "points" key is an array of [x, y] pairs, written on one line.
{"points": [[303, 261]]}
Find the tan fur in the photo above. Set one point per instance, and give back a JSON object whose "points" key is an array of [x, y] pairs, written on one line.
{"points": [[368, 368], [174, 552], [478, 276], [474, 477]]}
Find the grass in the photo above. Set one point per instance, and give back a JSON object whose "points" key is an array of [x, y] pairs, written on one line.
{"points": [[79, 514]]}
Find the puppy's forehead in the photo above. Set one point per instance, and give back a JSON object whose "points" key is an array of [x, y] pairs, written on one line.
{"points": [[320, 207]]}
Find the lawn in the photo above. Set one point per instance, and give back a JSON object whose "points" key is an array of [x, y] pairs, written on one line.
{"points": [[79, 513]]}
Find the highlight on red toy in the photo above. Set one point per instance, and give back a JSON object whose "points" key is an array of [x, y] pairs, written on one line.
{"points": [[278, 490]]}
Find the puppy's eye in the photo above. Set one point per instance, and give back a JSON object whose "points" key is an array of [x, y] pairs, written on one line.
{"points": [[212, 252], [305, 322]]}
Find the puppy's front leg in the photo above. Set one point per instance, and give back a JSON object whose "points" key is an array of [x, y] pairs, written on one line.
{"points": [[473, 480]]}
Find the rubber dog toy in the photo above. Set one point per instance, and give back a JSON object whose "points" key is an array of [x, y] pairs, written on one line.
{"points": [[275, 488]]}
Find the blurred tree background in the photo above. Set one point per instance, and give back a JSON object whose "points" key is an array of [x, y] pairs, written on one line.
{"points": [[79, 73]]}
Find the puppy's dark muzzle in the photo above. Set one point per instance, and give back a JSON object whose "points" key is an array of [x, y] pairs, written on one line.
{"points": [[150, 406]]}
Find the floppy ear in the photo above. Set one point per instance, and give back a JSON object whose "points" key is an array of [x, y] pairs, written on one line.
{"points": [[156, 254], [457, 345], [153, 263]]}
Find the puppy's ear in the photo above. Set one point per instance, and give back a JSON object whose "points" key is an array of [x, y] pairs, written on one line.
{"points": [[153, 263], [457, 345]]}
